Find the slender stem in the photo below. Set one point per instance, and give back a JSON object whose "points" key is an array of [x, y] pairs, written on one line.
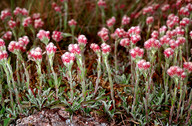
{"points": [[14, 86], [55, 77], [17, 69], [180, 100], [71, 85], [103, 15], [40, 76], [110, 81], [72, 31], [9, 84], [116, 45], [189, 113], [60, 21], [98, 73], [66, 14]]}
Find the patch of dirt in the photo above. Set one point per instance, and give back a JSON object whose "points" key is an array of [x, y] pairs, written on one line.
{"points": [[58, 117]]}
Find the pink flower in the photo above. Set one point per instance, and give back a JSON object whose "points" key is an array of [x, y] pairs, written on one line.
{"points": [[68, 58], [57, 36], [36, 16], [125, 20], [27, 21], [95, 47], [3, 55], [74, 48], [155, 34], [101, 3], [185, 22], [82, 40], [72, 22], [136, 53], [165, 40], [105, 48], [135, 38], [143, 65], [57, 9], [23, 42], [181, 40], [162, 30], [175, 71], [12, 24], [188, 66], [134, 30], [173, 44], [35, 54], [165, 7], [38, 23], [104, 34], [42, 34], [7, 35], [184, 11], [51, 49], [149, 20], [180, 31], [148, 10], [21, 11], [14, 47], [189, 7], [125, 42], [111, 22], [190, 34], [120, 32], [152, 44], [5, 14], [169, 52], [2, 45]]}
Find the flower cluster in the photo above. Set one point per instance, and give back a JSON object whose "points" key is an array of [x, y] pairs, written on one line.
{"points": [[14, 47], [95, 47], [72, 22], [152, 44], [35, 54], [175, 71], [38, 23], [36, 16], [162, 30], [7, 35], [3, 52], [104, 34], [51, 49], [74, 48], [105, 49], [125, 42], [27, 21], [184, 11], [165, 7], [149, 20], [120, 32], [125, 20], [147, 10], [20, 11], [82, 40], [57, 36], [155, 34], [143, 65], [111, 22], [43, 35], [134, 30], [23, 42], [168, 52], [165, 40], [101, 3], [172, 20], [188, 66], [185, 22], [136, 53], [12, 24], [135, 38], [5, 14], [68, 58]]}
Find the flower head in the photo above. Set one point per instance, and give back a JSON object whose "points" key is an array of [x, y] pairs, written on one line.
{"points": [[82, 40], [104, 34], [169, 52], [7, 35], [27, 21], [38, 23], [35, 54], [188, 66], [23, 42], [68, 58], [136, 53], [149, 20], [72, 22], [152, 44], [12, 24], [44, 36], [143, 65], [125, 20], [57, 36], [105, 49], [95, 47], [111, 22], [74, 48], [5, 14], [125, 42], [51, 49]]}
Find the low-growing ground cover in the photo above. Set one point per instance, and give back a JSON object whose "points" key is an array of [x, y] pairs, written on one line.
{"points": [[95, 62]]}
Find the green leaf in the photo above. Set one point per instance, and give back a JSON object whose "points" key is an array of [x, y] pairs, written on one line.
{"points": [[6, 122]]}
